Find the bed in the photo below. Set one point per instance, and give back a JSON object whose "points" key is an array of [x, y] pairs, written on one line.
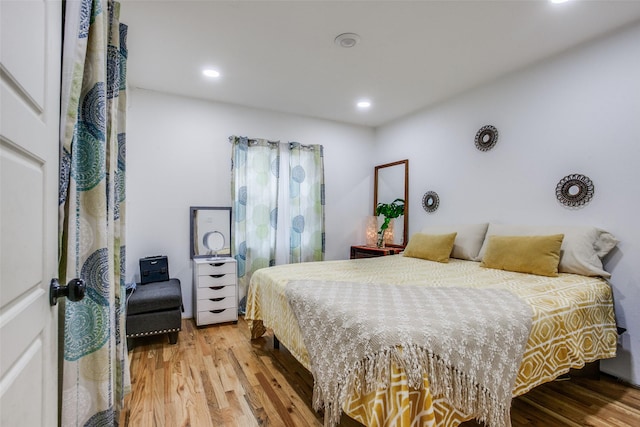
{"points": [[572, 320]]}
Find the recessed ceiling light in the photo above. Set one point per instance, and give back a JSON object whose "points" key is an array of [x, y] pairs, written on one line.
{"points": [[347, 40], [211, 72], [363, 104], [558, 1]]}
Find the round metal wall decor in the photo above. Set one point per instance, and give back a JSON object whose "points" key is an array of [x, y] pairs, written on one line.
{"points": [[574, 190], [430, 201], [486, 138]]}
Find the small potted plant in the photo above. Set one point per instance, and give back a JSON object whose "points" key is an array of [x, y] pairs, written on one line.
{"points": [[390, 211]]}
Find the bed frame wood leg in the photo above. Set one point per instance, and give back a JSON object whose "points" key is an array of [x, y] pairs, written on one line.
{"points": [[590, 371], [276, 342]]}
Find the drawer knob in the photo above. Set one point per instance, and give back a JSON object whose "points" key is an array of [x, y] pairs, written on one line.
{"points": [[217, 311], [216, 299], [216, 288]]}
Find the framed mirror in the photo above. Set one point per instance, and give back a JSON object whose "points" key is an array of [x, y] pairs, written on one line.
{"points": [[390, 182], [210, 229]]}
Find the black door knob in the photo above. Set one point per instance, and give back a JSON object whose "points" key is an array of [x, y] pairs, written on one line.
{"points": [[74, 290]]}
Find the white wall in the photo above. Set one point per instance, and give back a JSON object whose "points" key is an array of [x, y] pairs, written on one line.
{"points": [[576, 113], [178, 155]]}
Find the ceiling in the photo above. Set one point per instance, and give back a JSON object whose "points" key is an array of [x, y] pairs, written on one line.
{"points": [[281, 55]]}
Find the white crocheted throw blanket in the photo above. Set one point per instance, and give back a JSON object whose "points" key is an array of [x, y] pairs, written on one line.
{"points": [[469, 342]]}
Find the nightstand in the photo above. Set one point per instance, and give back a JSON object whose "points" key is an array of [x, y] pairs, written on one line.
{"points": [[373, 251]]}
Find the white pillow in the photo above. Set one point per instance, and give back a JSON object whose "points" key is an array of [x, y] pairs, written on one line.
{"points": [[582, 246], [468, 240]]}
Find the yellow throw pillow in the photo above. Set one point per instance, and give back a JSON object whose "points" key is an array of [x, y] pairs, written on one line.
{"points": [[432, 247], [525, 254]]}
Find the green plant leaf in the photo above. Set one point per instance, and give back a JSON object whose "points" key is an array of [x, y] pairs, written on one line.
{"points": [[391, 210]]}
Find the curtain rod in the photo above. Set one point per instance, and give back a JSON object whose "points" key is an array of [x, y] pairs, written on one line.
{"points": [[302, 146], [252, 140], [290, 143]]}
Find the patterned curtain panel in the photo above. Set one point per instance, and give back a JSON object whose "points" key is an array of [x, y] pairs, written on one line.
{"points": [[92, 209], [254, 194], [306, 195]]}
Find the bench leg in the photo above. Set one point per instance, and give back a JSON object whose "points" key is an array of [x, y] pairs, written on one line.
{"points": [[173, 337]]}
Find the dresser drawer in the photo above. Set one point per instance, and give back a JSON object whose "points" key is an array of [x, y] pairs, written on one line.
{"points": [[216, 268], [217, 316], [217, 303], [216, 292], [217, 280]]}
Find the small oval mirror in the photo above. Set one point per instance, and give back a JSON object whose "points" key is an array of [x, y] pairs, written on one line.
{"points": [[214, 241]]}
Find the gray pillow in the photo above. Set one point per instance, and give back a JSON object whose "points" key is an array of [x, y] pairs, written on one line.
{"points": [[583, 247], [468, 240]]}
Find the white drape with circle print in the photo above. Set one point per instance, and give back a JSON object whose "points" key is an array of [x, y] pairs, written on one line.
{"points": [[306, 198], [92, 207], [254, 194]]}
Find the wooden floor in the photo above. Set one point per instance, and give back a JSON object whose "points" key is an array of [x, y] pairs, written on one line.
{"points": [[216, 376]]}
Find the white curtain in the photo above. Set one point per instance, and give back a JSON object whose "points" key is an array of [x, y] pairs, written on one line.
{"points": [[278, 212], [306, 201], [254, 195]]}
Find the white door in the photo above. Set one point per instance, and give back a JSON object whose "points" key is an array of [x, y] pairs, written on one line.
{"points": [[30, 38]]}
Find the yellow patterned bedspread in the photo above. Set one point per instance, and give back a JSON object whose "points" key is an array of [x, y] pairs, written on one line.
{"points": [[573, 324]]}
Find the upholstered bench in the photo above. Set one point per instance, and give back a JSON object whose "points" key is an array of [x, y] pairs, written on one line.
{"points": [[154, 308]]}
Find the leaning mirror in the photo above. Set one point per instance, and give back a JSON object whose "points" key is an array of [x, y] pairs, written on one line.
{"points": [[391, 181], [210, 232]]}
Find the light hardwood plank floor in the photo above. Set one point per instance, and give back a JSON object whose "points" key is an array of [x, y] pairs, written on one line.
{"points": [[217, 376]]}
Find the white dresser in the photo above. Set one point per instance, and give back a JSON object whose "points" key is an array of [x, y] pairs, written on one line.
{"points": [[215, 291]]}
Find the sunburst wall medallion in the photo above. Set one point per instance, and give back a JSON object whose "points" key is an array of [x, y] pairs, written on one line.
{"points": [[486, 138], [430, 201], [575, 190]]}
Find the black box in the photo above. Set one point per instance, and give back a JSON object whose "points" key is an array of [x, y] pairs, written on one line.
{"points": [[154, 269]]}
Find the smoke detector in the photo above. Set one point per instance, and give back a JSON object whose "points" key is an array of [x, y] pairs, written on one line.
{"points": [[347, 40]]}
